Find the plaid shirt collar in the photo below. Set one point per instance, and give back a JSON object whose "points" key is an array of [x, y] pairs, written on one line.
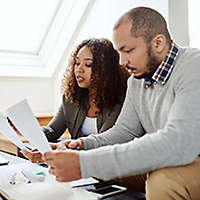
{"points": [[164, 70]]}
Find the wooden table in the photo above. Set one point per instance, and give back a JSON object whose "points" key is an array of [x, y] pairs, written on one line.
{"points": [[7, 146]]}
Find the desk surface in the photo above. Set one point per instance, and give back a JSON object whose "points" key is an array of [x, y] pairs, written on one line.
{"points": [[13, 159], [128, 195], [7, 146]]}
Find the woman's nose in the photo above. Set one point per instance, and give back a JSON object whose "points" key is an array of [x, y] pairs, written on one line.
{"points": [[80, 68]]}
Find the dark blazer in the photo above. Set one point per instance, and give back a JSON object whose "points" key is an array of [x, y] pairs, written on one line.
{"points": [[71, 116]]}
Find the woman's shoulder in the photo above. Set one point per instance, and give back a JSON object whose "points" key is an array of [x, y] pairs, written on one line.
{"points": [[66, 102], [114, 109]]}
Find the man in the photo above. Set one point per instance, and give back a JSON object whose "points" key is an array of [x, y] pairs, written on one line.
{"points": [[160, 120]]}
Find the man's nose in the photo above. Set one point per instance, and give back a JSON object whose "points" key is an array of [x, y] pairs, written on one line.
{"points": [[123, 59]]}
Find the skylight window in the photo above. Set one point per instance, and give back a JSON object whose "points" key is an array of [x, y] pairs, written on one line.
{"points": [[35, 33], [24, 24]]}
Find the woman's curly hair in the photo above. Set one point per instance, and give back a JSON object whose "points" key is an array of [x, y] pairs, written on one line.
{"points": [[108, 78]]}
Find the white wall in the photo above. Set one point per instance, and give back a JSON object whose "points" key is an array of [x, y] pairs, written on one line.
{"points": [[38, 92], [178, 21], [105, 13]]}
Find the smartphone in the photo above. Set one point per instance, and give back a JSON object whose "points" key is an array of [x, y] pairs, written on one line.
{"points": [[107, 191]]}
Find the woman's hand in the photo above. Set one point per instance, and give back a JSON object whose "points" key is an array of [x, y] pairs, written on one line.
{"points": [[74, 144], [65, 165], [36, 157], [33, 155]]}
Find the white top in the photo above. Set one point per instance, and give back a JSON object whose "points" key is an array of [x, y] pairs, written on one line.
{"points": [[89, 126]]}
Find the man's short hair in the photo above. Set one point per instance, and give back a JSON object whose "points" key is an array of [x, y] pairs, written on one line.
{"points": [[146, 22]]}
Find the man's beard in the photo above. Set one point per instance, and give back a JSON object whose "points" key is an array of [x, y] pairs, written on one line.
{"points": [[152, 64]]}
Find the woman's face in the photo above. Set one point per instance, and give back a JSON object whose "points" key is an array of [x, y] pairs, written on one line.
{"points": [[83, 67]]}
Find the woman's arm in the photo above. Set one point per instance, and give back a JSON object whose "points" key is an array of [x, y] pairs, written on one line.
{"points": [[57, 125]]}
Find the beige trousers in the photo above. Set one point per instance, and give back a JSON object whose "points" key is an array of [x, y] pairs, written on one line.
{"points": [[173, 183]]}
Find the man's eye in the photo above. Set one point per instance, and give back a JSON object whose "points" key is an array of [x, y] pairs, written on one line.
{"points": [[77, 63], [128, 50]]}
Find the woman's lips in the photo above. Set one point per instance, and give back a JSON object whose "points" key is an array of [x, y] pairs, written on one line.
{"points": [[80, 79]]}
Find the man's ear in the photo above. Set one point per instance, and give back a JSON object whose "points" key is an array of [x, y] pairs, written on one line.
{"points": [[159, 43]]}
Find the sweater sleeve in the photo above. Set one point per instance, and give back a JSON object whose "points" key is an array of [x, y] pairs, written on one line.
{"points": [[126, 128], [177, 143]]}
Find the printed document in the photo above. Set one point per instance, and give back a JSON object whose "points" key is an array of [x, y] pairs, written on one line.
{"points": [[23, 119], [8, 132]]}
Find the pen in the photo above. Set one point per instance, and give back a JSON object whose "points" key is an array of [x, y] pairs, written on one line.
{"points": [[12, 182], [25, 177]]}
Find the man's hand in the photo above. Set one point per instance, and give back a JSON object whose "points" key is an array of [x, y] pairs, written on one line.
{"points": [[74, 144], [36, 157], [65, 165]]}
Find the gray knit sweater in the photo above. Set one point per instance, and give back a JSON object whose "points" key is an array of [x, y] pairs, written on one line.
{"points": [[158, 126]]}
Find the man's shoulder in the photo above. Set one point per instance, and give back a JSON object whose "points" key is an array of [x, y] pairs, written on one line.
{"points": [[186, 70], [189, 54], [188, 61]]}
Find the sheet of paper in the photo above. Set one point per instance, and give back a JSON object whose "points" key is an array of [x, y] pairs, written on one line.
{"points": [[8, 172], [24, 120], [83, 181], [3, 161], [8, 132]]}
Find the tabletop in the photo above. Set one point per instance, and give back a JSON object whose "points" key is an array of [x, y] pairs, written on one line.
{"points": [[127, 195]]}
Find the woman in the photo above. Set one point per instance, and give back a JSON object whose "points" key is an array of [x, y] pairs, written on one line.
{"points": [[93, 87]]}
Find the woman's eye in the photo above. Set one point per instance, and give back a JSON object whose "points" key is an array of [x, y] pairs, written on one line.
{"points": [[76, 63], [88, 65]]}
